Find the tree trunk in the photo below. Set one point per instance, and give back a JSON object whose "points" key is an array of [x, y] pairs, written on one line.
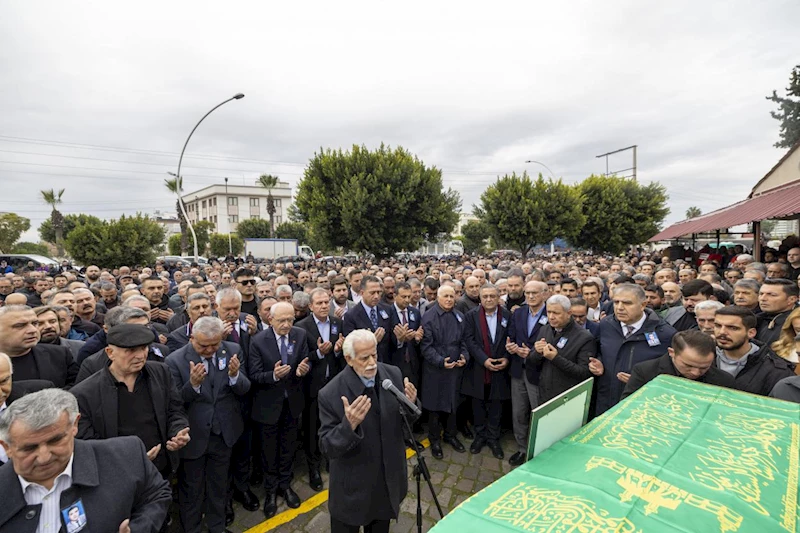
{"points": [[184, 228], [57, 220], [271, 211]]}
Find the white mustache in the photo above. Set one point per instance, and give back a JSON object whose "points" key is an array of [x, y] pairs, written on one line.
{"points": [[371, 367]]}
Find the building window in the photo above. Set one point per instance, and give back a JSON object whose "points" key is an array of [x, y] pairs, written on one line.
{"points": [[277, 220], [253, 202], [204, 204], [256, 217], [213, 202], [277, 202], [233, 200], [233, 219]]}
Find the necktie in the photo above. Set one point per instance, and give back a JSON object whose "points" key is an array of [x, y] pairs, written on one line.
{"points": [[629, 329], [235, 335], [284, 351], [373, 317], [405, 322]]}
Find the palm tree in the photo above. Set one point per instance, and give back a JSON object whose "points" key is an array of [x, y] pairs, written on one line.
{"points": [[269, 181], [175, 186], [53, 198], [693, 212]]}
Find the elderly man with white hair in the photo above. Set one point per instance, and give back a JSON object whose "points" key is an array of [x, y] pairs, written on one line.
{"points": [[278, 363], [362, 434]]}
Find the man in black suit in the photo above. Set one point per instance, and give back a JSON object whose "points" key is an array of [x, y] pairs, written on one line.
{"points": [[198, 306], [134, 396], [238, 328], [562, 351], [406, 334], [362, 434], [486, 379], [691, 356], [370, 314], [19, 336], [118, 487], [207, 373], [278, 363], [325, 340]]}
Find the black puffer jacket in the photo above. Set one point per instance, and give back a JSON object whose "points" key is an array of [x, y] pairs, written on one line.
{"points": [[762, 371]]}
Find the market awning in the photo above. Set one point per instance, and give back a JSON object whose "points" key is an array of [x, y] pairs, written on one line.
{"points": [[781, 202]]}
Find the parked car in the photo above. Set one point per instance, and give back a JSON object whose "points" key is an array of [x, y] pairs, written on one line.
{"points": [[170, 260], [20, 261]]}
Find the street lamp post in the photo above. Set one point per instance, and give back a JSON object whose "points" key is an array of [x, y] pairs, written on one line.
{"points": [[237, 96], [230, 247]]}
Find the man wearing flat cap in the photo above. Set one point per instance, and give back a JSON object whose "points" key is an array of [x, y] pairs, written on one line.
{"points": [[134, 396]]}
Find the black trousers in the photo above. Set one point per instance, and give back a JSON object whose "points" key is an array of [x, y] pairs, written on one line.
{"points": [[487, 415], [311, 433], [435, 421], [376, 526], [278, 443], [202, 483], [239, 473]]}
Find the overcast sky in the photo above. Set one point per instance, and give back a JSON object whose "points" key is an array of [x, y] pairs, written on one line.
{"points": [[474, 89]]}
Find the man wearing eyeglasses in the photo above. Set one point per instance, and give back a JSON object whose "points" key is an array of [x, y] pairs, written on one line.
{"points": [[246, 285]]}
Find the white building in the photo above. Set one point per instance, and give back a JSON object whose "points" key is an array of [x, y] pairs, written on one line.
{"points": [[170, 223], [226, 209], [463, 218]]}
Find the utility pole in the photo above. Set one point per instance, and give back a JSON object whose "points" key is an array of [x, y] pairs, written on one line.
{"points": [[633, 168], [230, 247]]}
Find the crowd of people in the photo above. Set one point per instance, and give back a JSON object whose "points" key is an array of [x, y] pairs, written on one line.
{"points": [[224, 371]]}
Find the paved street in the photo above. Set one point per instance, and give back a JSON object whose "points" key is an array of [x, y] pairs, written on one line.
{"points": [[456, 477]]}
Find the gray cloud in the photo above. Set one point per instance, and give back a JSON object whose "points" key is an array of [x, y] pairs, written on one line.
{"points": [[474, 90]]}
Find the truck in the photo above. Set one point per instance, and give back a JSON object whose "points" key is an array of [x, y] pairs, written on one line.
{"points": [[452, 247], [274, 248]]}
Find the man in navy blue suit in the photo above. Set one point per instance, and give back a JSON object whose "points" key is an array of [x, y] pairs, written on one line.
{"points": [[578, 310], [522, 335], [370, 314], [406, 332], [278, 362]]}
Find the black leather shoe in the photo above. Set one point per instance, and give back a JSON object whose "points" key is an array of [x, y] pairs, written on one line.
{"points": [[467, 432], [315, 480], [410, 444], [436, 450], [291, 497], [270, 504], [477, 445], [516, 459], [248, 500], [229, 514], [456, 444], [497, 450]]}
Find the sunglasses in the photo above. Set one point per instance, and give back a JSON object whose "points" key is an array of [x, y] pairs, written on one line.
{"points": [[247, 282]]}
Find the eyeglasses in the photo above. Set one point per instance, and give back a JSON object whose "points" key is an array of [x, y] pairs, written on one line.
{"points": [[247, 282]]}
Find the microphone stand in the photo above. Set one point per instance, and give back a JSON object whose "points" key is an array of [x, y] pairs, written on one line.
{"points": [[420, 471]]}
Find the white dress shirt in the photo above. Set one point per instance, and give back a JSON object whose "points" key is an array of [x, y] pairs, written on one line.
{"points": [[491, 321], [636, 326], [35, 494], [324, 329]]}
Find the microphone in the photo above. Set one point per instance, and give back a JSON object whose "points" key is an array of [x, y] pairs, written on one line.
{"points": [[401, 397]]}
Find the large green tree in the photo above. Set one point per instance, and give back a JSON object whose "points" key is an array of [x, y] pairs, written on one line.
{"points": [[382, 201], [30, 248], [11, 227], [474, 235], [174, 244], [48, 233], [524, 212], [53, 199], [130, 240], [292, 230], [620, 212], [203, 230], [218, 244], [254, 228], [788, 113]]}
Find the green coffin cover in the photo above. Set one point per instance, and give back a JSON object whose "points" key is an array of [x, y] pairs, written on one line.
{"points": [[676, 456]]}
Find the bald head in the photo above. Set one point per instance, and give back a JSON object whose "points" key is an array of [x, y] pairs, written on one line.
{"points": [[16, 299]]}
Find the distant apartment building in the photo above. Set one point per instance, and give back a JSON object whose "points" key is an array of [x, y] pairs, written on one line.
{"points": [[226, 207]]}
